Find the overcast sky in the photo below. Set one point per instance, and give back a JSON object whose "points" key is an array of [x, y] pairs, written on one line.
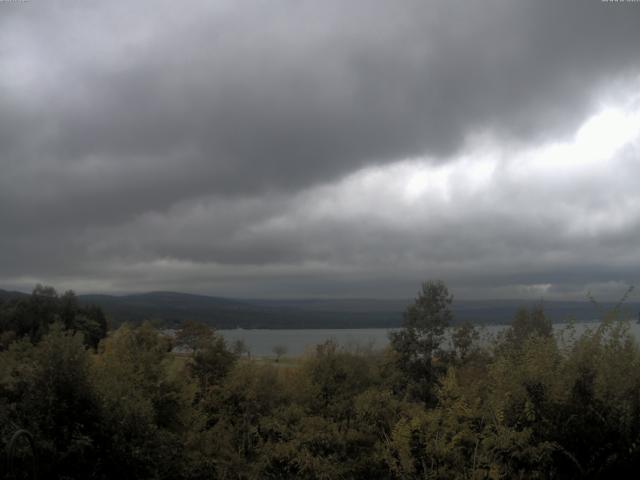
{"points": [[321, 148]]}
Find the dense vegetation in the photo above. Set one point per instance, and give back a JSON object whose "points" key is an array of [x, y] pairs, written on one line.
{"points": [[529, 405]]}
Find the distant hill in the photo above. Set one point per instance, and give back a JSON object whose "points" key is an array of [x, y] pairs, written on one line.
{"points": [[171, 308], [475, 311], [7, 295]]}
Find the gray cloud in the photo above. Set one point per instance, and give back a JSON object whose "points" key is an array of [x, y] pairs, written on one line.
{"points": [[204, 136]]}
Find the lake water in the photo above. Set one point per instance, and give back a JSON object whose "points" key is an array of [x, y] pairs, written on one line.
{"points": [[296, 342]]}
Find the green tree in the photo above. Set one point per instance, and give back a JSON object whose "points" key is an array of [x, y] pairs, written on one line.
{"points": [[212, 362], [240, 347], [527, 323], [279, 351], [143, 407], [92, 323], [419, 340], [239, 423], [32, 316], [463, 338], [47, 390], [194, 336]]}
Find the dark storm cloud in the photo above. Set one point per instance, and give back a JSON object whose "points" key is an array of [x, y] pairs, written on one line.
{"points": [[120, 120]]}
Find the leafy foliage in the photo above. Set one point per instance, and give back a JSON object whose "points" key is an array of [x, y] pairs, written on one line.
{"points": [[420, 339], [31, 317], [529, 405]]}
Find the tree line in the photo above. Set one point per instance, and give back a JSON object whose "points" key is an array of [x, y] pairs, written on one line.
{"points": [[120, 404]]}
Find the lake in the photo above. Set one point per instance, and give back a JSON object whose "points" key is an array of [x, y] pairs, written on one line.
{"points": [[296, 342]]}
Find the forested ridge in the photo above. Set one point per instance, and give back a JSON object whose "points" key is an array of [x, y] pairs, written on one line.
{"points": [[120, 404], [170, 309]]}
